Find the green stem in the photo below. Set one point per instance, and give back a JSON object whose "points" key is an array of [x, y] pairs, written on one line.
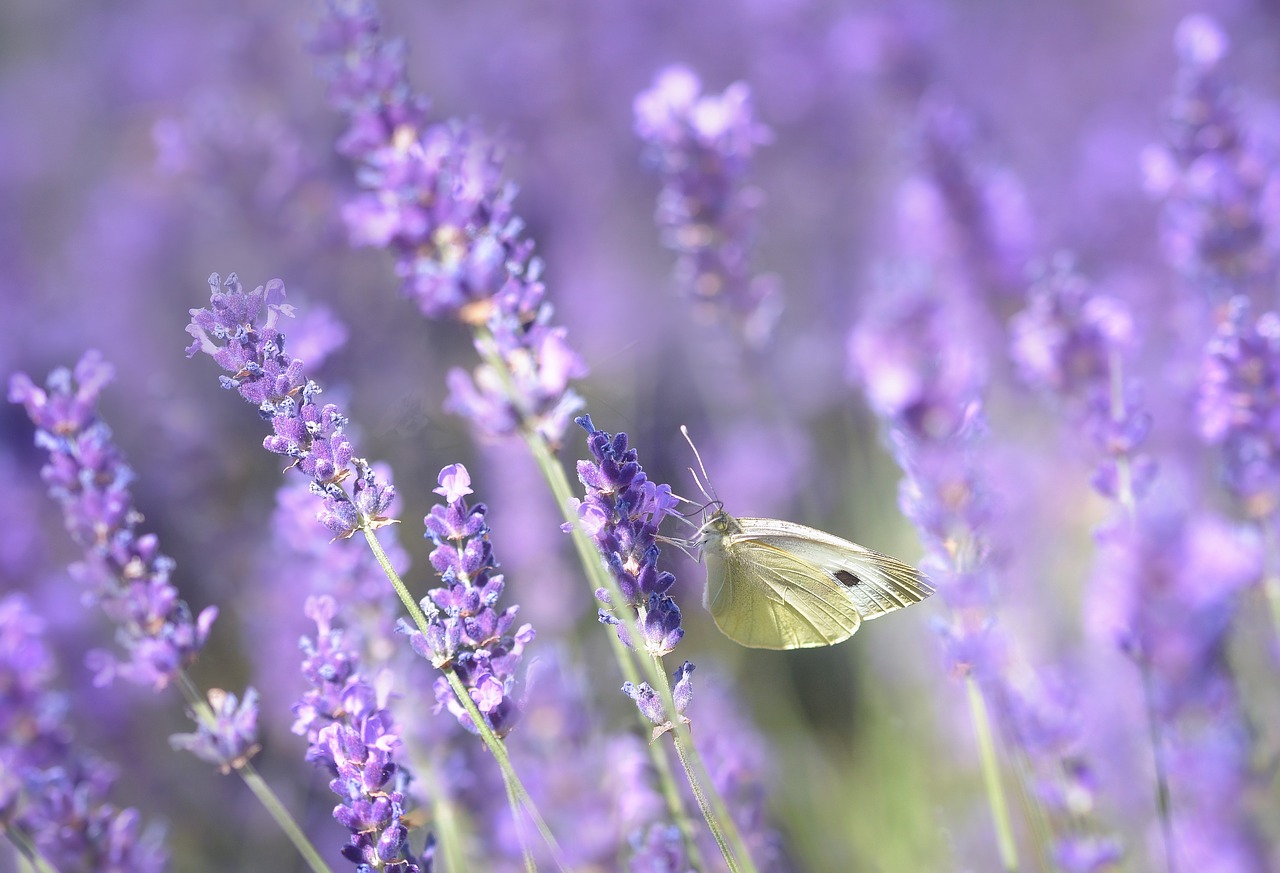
{"points": [[991, 776], [516, 790], [450, 838], [203, 713], [656, 675], [29, 857]]}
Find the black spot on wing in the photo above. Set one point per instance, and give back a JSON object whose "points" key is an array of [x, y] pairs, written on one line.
{"points": [[847, 579]]}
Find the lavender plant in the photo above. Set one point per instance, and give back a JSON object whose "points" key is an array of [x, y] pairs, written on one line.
{"points": [[701, 147], [1116, 629], [55, 795]]}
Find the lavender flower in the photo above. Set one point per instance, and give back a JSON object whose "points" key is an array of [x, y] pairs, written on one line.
{"points": [[52, 792], [659, 849], [649, 702], [436, 197], [1239, 404], [1073, 342], [702, 148], [963, 212], [234, 332], [232, 738], [123, 569], [1213, 175], [621, 513], [465, 633], [352, 734], [925, 378]]}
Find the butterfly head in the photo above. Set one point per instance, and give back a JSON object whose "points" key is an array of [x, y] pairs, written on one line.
{"points": [[718, 525]]}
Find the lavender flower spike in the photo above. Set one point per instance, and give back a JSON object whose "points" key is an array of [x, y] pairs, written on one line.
{"points": [[436, 197], [702, 146], [52, 792], [621, 513], [465, 632], [123, 568], [247, 343], [232, 739], [353, 735]]}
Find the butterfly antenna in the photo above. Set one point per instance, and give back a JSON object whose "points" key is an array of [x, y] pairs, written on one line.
{"points": [[704, 484]]}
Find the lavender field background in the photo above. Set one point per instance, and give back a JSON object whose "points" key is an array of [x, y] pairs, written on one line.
{"points": [[985, 286]]}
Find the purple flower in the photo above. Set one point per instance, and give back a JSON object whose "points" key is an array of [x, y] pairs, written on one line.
{"points": [[702, 146], [52, 792], [659, 849], [914, 373], [436, 197], [649, 702], [1074, 342], [963, 212], [1212, 175], [123, 569], [240, 339], [621, 513], [1239, 404], [232, 739], [465, 631], [1066, 338], [352, 734]]}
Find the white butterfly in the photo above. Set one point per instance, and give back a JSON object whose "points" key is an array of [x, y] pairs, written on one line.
{"points": [[774, 584]]}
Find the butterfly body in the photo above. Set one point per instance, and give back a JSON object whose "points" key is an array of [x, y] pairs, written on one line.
{"points": [[775, 584]]}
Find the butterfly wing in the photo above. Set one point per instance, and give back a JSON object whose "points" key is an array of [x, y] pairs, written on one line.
{"points": [[876, 583], [766, 597]]}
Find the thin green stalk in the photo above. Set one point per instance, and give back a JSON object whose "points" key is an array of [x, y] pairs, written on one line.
{"points": [[559, 484], [991, 776], [517, 794], [261, 790], [444, 815], [710, 803], [29, 857]]}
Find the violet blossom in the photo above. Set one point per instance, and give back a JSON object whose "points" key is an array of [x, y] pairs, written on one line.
{"points": [[701, 146], [352, 734], [248, 343], [434, 194], [123, 569], [53, 792], [465, 632]]}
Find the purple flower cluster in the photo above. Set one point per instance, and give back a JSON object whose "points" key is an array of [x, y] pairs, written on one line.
{"points": [[702, 145], [240, 339], [1239, 404], [925, 381], [649, 701], [1214, 174], [621, 513], [123, 569], [352, 734], [925, 377], [465, 632], [435, 196], [962, 211], [1072, 341], [231, 739], [52, 793]]}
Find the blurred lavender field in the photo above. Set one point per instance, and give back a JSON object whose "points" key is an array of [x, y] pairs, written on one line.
{"points": [[987, 287]]}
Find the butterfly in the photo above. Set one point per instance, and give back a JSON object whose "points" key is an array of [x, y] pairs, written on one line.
{"points": [[774, 584]]}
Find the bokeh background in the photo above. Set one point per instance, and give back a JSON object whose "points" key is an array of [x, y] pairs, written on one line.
{"points": [[144, 145]]}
